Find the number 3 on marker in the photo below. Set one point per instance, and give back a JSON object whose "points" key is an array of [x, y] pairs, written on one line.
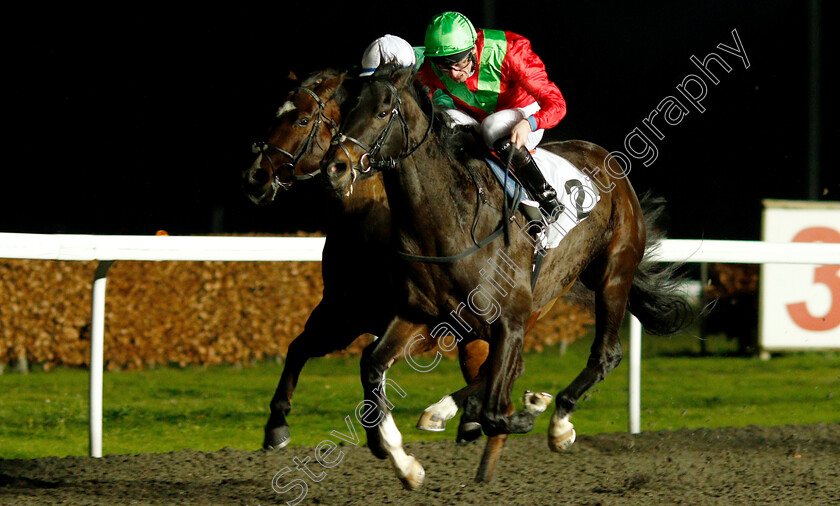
{"points": [[825, 274]]}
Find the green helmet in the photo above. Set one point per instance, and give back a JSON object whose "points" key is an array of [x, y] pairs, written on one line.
{"points": [[449, 33]]}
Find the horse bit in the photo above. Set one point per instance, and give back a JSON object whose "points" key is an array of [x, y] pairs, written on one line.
{"points": [[263, 147], [368, 160]]}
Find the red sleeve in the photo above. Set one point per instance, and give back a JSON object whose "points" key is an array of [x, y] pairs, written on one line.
{"points": [[426, 76], [527, 70]]}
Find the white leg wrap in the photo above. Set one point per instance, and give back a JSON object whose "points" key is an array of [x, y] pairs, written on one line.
{"points": [[445, 409], [560, 426], [536, 402], [434, 417], [392, 440], [561, 433]]}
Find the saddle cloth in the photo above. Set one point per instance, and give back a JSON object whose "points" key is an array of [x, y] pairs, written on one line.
{"points": [[574, 190]]}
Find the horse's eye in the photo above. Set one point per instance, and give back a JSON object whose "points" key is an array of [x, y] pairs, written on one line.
{"points": [[303, 122], [382, 114]]}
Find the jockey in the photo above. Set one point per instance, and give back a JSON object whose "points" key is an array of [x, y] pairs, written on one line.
{"points": [[494, 77], [389, 49]]}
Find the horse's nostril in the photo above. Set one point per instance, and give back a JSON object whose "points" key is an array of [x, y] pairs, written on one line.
{"points": [[259, 176], [337, 168]]}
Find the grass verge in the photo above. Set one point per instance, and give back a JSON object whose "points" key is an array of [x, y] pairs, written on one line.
{"points": [[167, 409]]}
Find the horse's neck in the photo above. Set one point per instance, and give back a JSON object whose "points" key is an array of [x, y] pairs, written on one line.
{"points": [[431, 196], [364, 219]]}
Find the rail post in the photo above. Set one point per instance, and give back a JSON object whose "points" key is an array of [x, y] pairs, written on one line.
{"points": [[97, 345], [635, 378]]}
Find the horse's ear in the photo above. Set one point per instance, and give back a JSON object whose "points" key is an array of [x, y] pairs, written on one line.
{"points": [[349, 87], [333, 82], [292, 77], [336, 85], [402, 77], [342, 92]]}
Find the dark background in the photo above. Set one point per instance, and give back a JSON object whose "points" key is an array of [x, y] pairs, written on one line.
{"points": [[129, 121]]}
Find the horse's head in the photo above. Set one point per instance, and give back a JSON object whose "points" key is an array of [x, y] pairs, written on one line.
{"points": [[298, 138], [375, 133]]}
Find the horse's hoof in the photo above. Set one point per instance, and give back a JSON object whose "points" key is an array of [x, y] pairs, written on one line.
{"points": [[435, 416], [276, 438], [468, 432], [431, 422], [414, 478], [561, 433], [536, 402]]}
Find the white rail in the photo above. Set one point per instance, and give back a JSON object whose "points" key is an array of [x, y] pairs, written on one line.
{"points": [[159, 248], [699, 251], [748, 252], [107, 249]]}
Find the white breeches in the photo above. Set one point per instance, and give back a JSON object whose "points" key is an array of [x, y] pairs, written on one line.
{"points": [[499, 124]]}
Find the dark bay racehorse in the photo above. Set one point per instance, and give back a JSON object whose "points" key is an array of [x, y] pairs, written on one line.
{"points": [[358, 287], [432, 192]]}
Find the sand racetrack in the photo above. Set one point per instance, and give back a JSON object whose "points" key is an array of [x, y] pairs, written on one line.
{"points": [[753, 465]]}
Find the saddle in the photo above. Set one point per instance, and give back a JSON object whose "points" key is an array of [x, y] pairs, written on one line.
{"points": [[575, 190]]}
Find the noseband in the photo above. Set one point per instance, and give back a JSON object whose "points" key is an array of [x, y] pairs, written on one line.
{"points": [[263, 147], [369, 160]]}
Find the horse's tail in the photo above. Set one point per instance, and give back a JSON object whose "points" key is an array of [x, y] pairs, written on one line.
{"points": [[656, 297]]}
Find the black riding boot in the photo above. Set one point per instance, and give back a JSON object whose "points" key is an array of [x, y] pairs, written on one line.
{"points": [[530, 176]]}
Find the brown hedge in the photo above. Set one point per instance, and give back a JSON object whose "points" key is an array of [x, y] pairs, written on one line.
{"points": [[162, 313]]}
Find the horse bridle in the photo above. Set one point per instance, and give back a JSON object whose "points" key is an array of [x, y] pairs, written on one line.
{"points": [[368, 161], [391, 163], [263, 147]]}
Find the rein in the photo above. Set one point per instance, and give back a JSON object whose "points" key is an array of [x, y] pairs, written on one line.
{"points": [[263, 147]]}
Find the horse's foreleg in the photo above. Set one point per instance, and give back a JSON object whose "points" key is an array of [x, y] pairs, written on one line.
{"points": [[318, 338], [469, 399], [505, 366], [535, 403], [469, 428], [384, 438], [492, 452], [434, 417], [472, 357]]}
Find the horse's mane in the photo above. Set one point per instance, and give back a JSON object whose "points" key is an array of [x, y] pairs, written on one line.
{"points": [[319, 75]]}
